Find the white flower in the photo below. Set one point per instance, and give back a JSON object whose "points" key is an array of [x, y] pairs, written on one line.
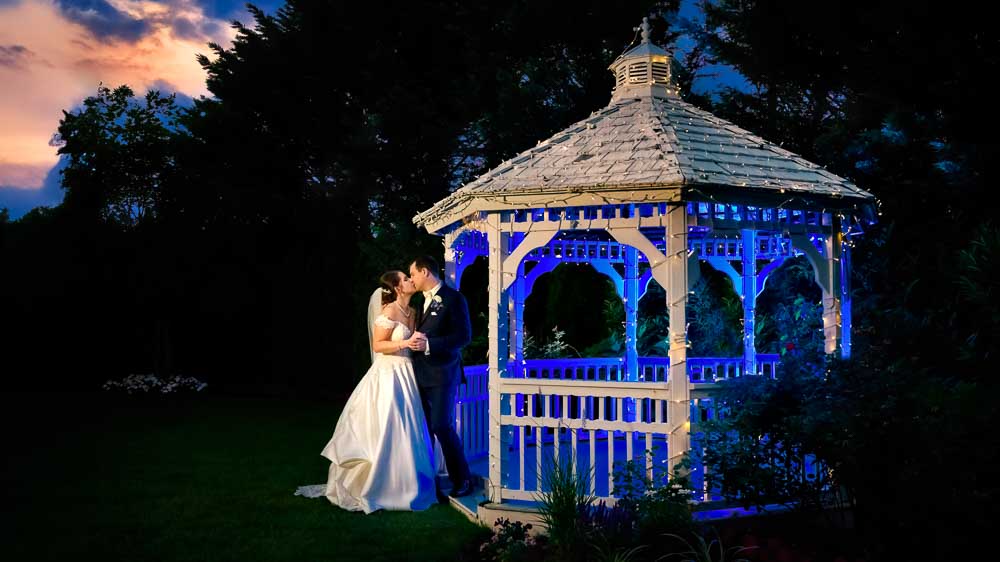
{"points": [[146, 383], [436, 299]]}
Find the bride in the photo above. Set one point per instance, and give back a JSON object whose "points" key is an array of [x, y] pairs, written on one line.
{"points": [[380, 454]]}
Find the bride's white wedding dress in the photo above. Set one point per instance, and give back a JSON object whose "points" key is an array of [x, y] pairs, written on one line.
{"points": [[380, 453]]}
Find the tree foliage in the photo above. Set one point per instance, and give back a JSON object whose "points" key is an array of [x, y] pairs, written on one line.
{"points": [[890, 95]]}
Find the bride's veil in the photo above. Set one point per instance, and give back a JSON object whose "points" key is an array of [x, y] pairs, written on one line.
{"points": [[374, 307]]}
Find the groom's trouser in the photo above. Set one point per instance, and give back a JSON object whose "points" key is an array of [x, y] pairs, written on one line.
{"points": [[439, 408]]}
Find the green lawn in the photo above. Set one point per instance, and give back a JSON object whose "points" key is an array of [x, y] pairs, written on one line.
{"points": [[207, 479]]}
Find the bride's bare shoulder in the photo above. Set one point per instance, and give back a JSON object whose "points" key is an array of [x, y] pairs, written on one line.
{"points": [[389, 311]]}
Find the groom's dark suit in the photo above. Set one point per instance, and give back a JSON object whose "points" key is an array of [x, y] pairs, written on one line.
{"points": [[445, 322]]}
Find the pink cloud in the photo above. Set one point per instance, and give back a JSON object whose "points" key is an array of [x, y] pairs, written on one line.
{"points": [[27, 176]]}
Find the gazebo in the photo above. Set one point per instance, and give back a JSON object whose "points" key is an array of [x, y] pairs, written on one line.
{"points": [[641, 190]]}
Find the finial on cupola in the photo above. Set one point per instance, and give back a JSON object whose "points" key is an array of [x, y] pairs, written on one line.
{"points": [[646, 28]]}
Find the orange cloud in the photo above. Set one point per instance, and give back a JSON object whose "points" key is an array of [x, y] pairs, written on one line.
{"points": [[55, 62]]}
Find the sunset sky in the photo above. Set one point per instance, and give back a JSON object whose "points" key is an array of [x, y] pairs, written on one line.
{"points": [[55, 53]]}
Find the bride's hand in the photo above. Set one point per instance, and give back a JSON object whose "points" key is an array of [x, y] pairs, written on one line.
{"points": [[417, 342]]}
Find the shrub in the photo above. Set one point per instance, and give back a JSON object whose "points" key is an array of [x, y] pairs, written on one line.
{"points": [[512, 541], [661, 501]]}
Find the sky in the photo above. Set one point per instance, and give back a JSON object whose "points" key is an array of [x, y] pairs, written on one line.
{"points": [[55, 53]]}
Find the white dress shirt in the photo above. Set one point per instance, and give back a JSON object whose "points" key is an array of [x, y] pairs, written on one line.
{"points": [[428, 295]]}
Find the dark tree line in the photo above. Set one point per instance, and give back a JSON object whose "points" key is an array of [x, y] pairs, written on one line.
{"points": [[238, 239]]}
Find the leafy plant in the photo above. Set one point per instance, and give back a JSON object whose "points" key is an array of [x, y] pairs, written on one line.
{"points": [[705, 551], [618, 554], [555, 348], [612, 315], [560, 508], [660, 499], [714, 318], [476, 352], [652, 336]]}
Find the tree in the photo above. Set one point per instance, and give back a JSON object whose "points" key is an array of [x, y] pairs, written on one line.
{"points": [[121, 155], [889, 95], [121, 162]]}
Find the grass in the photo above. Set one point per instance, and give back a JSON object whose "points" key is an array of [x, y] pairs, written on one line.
{"points": [[209, 478]]}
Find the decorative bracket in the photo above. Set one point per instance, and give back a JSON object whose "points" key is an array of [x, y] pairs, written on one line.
{"points": [[531, 240]]}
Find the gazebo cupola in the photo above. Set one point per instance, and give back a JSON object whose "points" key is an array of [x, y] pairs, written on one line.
{"points": [[642, 190], [643, 70]]}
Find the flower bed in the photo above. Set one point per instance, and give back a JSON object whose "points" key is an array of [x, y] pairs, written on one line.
{"points": [[151, 384]]}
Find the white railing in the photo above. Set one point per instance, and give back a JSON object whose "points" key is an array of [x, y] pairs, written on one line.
{"points": [[472, 411], [590, 427], [651, 369], [654, 369], [583, 413], [592, 369]]}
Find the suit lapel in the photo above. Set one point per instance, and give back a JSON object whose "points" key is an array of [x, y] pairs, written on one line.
{"points": [[423, 316]]}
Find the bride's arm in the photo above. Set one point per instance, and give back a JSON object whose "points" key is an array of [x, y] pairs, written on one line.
{"points": [[381, 342], [382, 338]]}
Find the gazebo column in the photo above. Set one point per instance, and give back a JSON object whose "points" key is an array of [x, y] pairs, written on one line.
{"points": [[631, 301], [451, 260], [749, 296], [516, 307], [845, 297], [498, 352], [833, 244], [679, 410], [827, 267], [671, 271]]}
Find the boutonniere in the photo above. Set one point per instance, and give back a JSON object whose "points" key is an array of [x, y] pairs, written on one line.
{"points": [[435, 305]]}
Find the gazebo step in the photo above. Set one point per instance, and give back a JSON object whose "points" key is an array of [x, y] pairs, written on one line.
{"points": [[469, 505], [516, 511]]}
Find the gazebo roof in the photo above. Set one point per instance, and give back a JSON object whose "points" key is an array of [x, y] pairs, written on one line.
{"points": [[648, 145]]}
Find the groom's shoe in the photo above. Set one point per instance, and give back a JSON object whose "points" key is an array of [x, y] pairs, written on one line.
{"points": [[442, 497], [463, 489]]}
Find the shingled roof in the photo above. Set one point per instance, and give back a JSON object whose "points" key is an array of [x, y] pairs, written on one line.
{"points": [[648, 145]]}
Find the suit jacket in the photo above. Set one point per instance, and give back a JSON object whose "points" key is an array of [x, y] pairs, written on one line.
{"points": [[448, 329]]}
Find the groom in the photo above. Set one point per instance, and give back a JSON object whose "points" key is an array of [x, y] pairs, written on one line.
{"points": [[444, 323]]}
